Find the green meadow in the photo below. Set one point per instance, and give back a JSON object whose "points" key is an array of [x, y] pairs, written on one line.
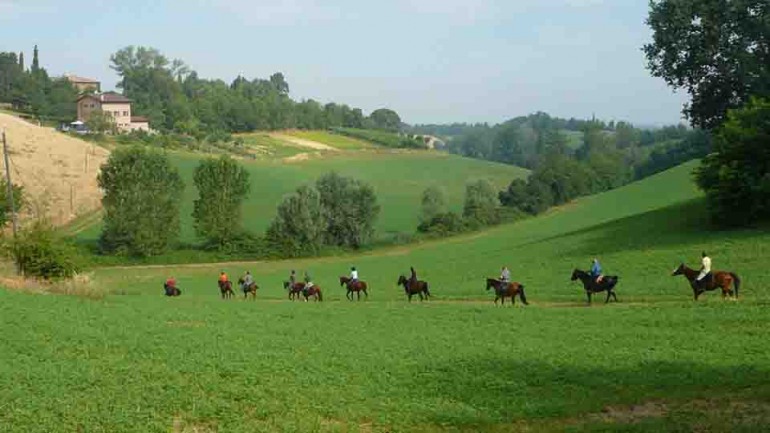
{"points": [[129, 359], [398, 177]]}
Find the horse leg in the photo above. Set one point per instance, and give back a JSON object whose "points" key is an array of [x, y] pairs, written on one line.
{"points": [[496, 298], [358, 295], [513, 300], [366, 294], [614, 296], [609, 293], [588, 293]]}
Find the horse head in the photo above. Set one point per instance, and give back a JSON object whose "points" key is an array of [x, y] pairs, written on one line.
{"points": [[575, 274], [679, 270], [401, 280], [490, 283], [343, 281], [286, 285]]}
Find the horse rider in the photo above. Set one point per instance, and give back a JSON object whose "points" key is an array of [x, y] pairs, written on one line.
{"points": [[292, 279], [705, 270], [248, 280], [596, 271], [223, 279], [308, 283], [170, 285], [505, 275], [353, 276], [412, 277]]}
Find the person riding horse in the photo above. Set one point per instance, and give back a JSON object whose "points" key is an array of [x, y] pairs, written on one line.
{"points": [[412, 276], [308, 283], [596, 271], [246, 281], [170, 287], [223, 279], [505, 275], [353, 276], [704, 277]]}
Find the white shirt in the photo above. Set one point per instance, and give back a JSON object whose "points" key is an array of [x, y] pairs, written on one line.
{"points": [[354, 275], [706, 262]]}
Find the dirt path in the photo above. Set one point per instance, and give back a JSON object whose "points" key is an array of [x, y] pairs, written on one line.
{"points": [[302, 142]]}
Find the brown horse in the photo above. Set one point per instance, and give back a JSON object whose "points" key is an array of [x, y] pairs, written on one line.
{"points": [[714, 280], [419, 288], [357, 287], [171, 291], [297, 289], [510, 290], [250, 289], [226, 289]]}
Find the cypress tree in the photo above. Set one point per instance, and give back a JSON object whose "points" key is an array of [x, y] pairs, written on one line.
{"points": [[35, 63], [21, 61]]}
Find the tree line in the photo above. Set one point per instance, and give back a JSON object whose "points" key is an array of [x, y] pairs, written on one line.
{"points": [[32, 91], [175, 98]]}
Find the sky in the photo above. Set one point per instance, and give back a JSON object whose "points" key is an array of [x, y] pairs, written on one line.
{"points": [[432, 61]]}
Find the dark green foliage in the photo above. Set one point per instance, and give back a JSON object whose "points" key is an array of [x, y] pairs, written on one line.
{"points": [[34, 92], [383, 138], [350, 208], [298, 228], [18, 201], [386, 119], [668, 154], [101, 123], [39, 251], [142, 191], [443, 224], [716, 50], [736, 176], [481, 204], [223, 185]]}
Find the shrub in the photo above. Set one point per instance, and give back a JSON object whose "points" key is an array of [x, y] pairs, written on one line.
{"points": [[39, 252], [298, 228], [481, 204], [350, 210]]}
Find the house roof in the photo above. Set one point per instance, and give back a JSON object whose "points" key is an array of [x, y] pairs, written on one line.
{"points": [[77, 79], [108, 98]]}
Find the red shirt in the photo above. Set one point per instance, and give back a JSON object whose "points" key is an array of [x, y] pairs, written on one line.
{"points": [[171, 282]]}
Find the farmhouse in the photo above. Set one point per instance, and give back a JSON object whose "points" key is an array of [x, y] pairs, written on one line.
{"points": [[115, 105], [83, 84]]}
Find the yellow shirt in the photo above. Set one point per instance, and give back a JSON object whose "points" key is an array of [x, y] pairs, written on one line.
{"points": [[706, 262]]}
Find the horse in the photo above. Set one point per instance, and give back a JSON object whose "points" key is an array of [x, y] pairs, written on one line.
{"points": [[358, 287], [295, 290], [419, 288], [171, 291], [591, 286], [226, 289], [718, 279], [313, 291], [503, 290], [251, 288]]}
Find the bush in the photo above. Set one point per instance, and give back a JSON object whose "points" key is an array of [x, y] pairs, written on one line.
{"points": [[298, 228], [443, 224], [481, 204], [350, 210], [433, 203], [39, 252], [18, 201]]}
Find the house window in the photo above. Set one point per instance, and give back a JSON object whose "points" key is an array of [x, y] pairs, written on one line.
{"points": [[125, 113]]}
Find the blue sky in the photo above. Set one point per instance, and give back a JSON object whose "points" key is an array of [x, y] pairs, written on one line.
{"points": [[430, 60]]}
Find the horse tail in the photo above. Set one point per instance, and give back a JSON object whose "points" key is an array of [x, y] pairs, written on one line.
{"points": [[737, 282], [427, 291], [320, 296], [522, 295]]}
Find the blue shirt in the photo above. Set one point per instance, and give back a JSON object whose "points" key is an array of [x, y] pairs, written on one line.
{"points": [[596, 269]]}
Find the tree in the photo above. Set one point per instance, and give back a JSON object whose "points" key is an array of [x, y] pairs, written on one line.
{"points": [[717, 50], [481, 203], [298, 227], [433, 203], [142, 192], [21, 61], [736, 176], [100, 122], [222, 186], [39, 251], [351, 209], [35, 70], [516, 196], [385, 118]]}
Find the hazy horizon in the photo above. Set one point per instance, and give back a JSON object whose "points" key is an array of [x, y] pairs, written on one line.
{"points": [[432, 62]]}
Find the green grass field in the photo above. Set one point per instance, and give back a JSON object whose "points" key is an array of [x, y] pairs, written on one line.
{"points": [[136, 361], [338, 141], [398, 177]]}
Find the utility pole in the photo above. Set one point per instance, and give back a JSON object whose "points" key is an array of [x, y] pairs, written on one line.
{"points": [[9, 185]]}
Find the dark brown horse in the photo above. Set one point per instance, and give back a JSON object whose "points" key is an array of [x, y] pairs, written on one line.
{"points": [[297, 289], [591, 286], [714, 280], [171, 291], [507, 290], [419, 288], [250, 289], [226, 289], [357, 287]]}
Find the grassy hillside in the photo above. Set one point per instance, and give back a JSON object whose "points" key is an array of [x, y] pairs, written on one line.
{"points": [[656, 361], [398, 177]]}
